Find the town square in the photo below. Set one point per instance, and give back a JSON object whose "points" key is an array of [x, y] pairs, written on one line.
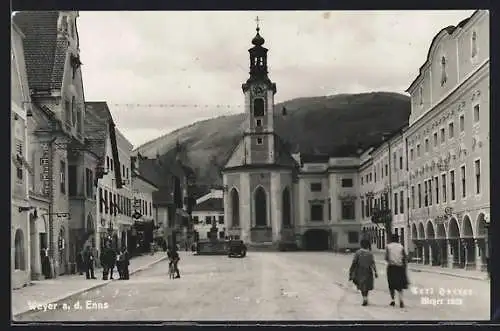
{"points": [[250, 166]]}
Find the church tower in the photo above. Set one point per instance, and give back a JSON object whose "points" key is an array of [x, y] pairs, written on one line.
{"points": [[259, 93]]}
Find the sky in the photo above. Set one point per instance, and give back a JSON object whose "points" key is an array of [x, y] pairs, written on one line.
{"points": [[160, 71]]}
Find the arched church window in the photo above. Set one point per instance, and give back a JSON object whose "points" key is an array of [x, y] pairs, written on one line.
{"points": [[258, 107], [260, 207], [235, 205], [286, 208], [474, 44], [444, 77]]}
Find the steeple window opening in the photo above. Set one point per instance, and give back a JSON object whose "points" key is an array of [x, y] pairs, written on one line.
{"points": [[258, 123], [259, 141], [258, 107]]}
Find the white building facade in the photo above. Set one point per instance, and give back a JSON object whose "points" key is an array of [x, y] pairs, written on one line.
{"points": [[114, 190], [21, 229], [209, 213], [142, 190], [448, 138]]}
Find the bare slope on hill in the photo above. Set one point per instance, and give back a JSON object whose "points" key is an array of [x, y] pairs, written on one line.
{"points": [[335, 125]]}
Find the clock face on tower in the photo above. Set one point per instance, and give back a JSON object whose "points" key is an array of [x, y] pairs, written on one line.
{"points": [[258, 90]]}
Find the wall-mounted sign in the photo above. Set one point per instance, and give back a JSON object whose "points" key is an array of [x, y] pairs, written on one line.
{"points": [[44, 165]]}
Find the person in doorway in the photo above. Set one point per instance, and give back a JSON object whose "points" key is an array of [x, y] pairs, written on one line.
{"points": [[88, 261], [45, 263], [396, 269], [124, 264], [79, 262], [363, 270]]}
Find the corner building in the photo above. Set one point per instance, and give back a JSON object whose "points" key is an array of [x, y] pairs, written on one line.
{"points": [[449, 154]]}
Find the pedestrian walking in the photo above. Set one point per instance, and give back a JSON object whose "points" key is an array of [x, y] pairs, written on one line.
{"points": [[363, 270], [174, 259], [107, 261], [397, 278], [118, 263], [112, 262], [88, 261], [124, 261]]}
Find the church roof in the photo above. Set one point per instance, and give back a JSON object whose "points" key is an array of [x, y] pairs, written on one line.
{"points": [[283, 157]]}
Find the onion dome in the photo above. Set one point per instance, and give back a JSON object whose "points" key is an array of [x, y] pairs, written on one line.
{"points": [[258, 40]]}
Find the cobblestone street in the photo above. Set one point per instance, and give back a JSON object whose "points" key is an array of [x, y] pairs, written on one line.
{"points": [[270, 286]]}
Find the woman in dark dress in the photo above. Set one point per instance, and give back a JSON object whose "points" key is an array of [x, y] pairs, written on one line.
{"points": [[363, 270]]}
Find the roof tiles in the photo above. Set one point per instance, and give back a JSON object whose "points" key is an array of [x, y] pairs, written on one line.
{"points": [[44, 54]]}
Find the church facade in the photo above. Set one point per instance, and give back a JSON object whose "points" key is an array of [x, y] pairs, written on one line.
{"points": [[273, 197]]}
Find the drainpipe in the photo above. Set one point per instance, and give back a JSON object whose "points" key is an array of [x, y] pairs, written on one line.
{"points": [[51, 207], [407, 197], [389, 198]]}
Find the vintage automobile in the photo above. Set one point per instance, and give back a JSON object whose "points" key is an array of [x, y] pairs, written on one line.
{"points": [[236, 248]]}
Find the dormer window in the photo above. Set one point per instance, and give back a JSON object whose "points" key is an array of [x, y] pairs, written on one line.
{"points": [[63, 24], [444, 76], [474, 44], [75, 63], [258, 107]]}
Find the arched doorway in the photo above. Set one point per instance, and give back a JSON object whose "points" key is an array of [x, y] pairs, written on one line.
{"points": [[19, 258], [414, 240], [468, 247], [235, 208], [482, 239], [260, 207], [115, 241], [123, 239], [443, 246], [432, 244], [286, 213], [454, 238], [422, 247], [316, 240]]}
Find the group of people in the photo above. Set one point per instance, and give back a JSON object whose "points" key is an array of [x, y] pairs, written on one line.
{"points": [[109, 259], [363, 270]]}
